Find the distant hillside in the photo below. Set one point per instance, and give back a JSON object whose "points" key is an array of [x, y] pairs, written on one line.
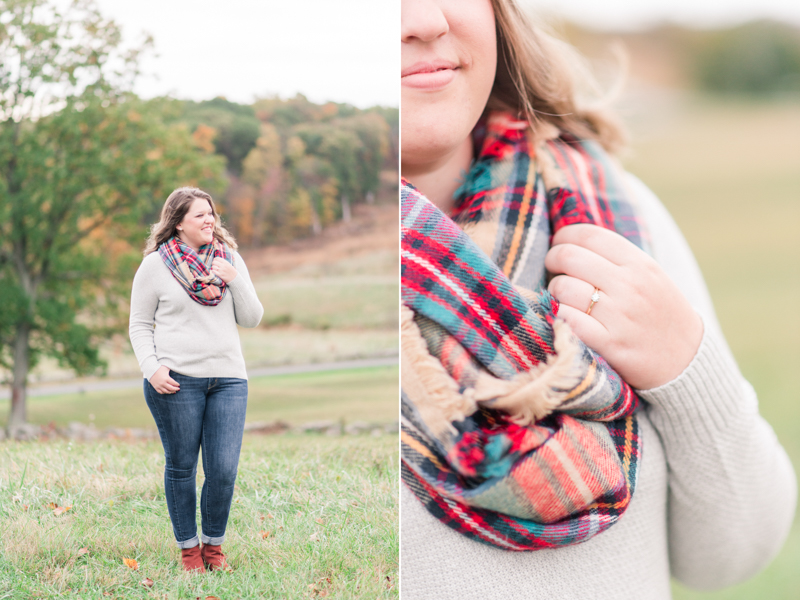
{"points": [[293, 167], [373, 229], [759, 58]]}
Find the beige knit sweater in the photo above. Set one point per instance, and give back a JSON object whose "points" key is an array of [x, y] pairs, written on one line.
{"points": [[714, 501], [192, 339]]}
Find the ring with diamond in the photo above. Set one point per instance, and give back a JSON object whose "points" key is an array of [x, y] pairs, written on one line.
{"points": [[595, 299]]}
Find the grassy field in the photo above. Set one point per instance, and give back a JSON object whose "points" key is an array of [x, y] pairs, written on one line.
{"points": [[369, 394], [315, 313], [312, 517], [353, 292], [729, 172]]}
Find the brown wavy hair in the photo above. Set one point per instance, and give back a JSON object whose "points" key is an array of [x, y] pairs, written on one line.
{"points": [[175, 209], [536, 77]]}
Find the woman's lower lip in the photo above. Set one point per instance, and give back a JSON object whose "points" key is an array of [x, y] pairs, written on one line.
{"points": [[429, 81]]}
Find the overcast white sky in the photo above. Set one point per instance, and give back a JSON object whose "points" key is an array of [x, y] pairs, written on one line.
{"points": [[341, 50]]}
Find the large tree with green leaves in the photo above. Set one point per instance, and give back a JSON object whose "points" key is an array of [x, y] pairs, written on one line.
{"points": [[84, 165]]}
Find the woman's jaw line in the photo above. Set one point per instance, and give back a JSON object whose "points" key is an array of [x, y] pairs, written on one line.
{"points": [[438, 178], [208, 237]]}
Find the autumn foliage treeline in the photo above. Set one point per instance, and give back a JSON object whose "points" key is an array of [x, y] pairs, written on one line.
{"points": [[293, 166]]}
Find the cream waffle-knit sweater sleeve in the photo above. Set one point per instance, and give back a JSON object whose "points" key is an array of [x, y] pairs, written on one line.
{"points": [[714, 501]]}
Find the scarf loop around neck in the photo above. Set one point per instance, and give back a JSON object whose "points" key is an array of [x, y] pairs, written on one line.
{"points": [[514, 433], [193, 269]]}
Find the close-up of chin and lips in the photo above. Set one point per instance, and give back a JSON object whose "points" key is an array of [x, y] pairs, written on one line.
{"points": [[574, 424]]}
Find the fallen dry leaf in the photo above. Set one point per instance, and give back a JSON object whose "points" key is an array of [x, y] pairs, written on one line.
{"points": [[60, 510], [52, 505], [211, 598], [269, 516], [24, 507], [131, 563], [147, 582], [320, 520], [84, 550], [17, 498], [265, 534], [313, 537]]}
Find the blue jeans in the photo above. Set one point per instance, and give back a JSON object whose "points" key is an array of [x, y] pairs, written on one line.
{"points": [[207, 413]]}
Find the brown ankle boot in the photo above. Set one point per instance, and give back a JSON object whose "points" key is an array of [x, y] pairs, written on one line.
{"points": [[214, 558], [192, 559]]}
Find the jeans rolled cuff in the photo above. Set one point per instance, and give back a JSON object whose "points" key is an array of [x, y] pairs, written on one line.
{"points": [[191, 543], [212, 541]]}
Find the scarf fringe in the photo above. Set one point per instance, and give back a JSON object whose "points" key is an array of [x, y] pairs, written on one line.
{"points": [[526, 398], [534, 394], [424, 378]]}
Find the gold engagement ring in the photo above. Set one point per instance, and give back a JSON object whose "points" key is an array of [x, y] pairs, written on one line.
{"points": [[595, 299]]}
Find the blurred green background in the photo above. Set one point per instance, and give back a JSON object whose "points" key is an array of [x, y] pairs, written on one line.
{"points": [[729, 172], [714, 123]]}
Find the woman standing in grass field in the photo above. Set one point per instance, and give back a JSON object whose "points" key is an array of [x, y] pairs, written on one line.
{"points": [[189, 294], [574, 425]]}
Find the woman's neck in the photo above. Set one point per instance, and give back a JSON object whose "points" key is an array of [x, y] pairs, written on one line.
{"points": [[440, 179], [185, 241]]}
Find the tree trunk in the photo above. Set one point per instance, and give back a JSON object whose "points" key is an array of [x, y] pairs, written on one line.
{"points": [[346, 216], [19, 413], [316, 224]]}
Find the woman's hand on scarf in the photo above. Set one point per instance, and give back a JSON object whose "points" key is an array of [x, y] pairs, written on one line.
{"points": [[642, 324], [163, 383], [223, 269]]}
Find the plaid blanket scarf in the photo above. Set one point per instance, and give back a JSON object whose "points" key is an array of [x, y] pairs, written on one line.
{"points": [[514, 433], [193, 269]]}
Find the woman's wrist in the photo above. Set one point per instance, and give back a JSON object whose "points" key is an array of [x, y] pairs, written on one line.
{"points": [[704, 349], [150, 367], [703, 399]]}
